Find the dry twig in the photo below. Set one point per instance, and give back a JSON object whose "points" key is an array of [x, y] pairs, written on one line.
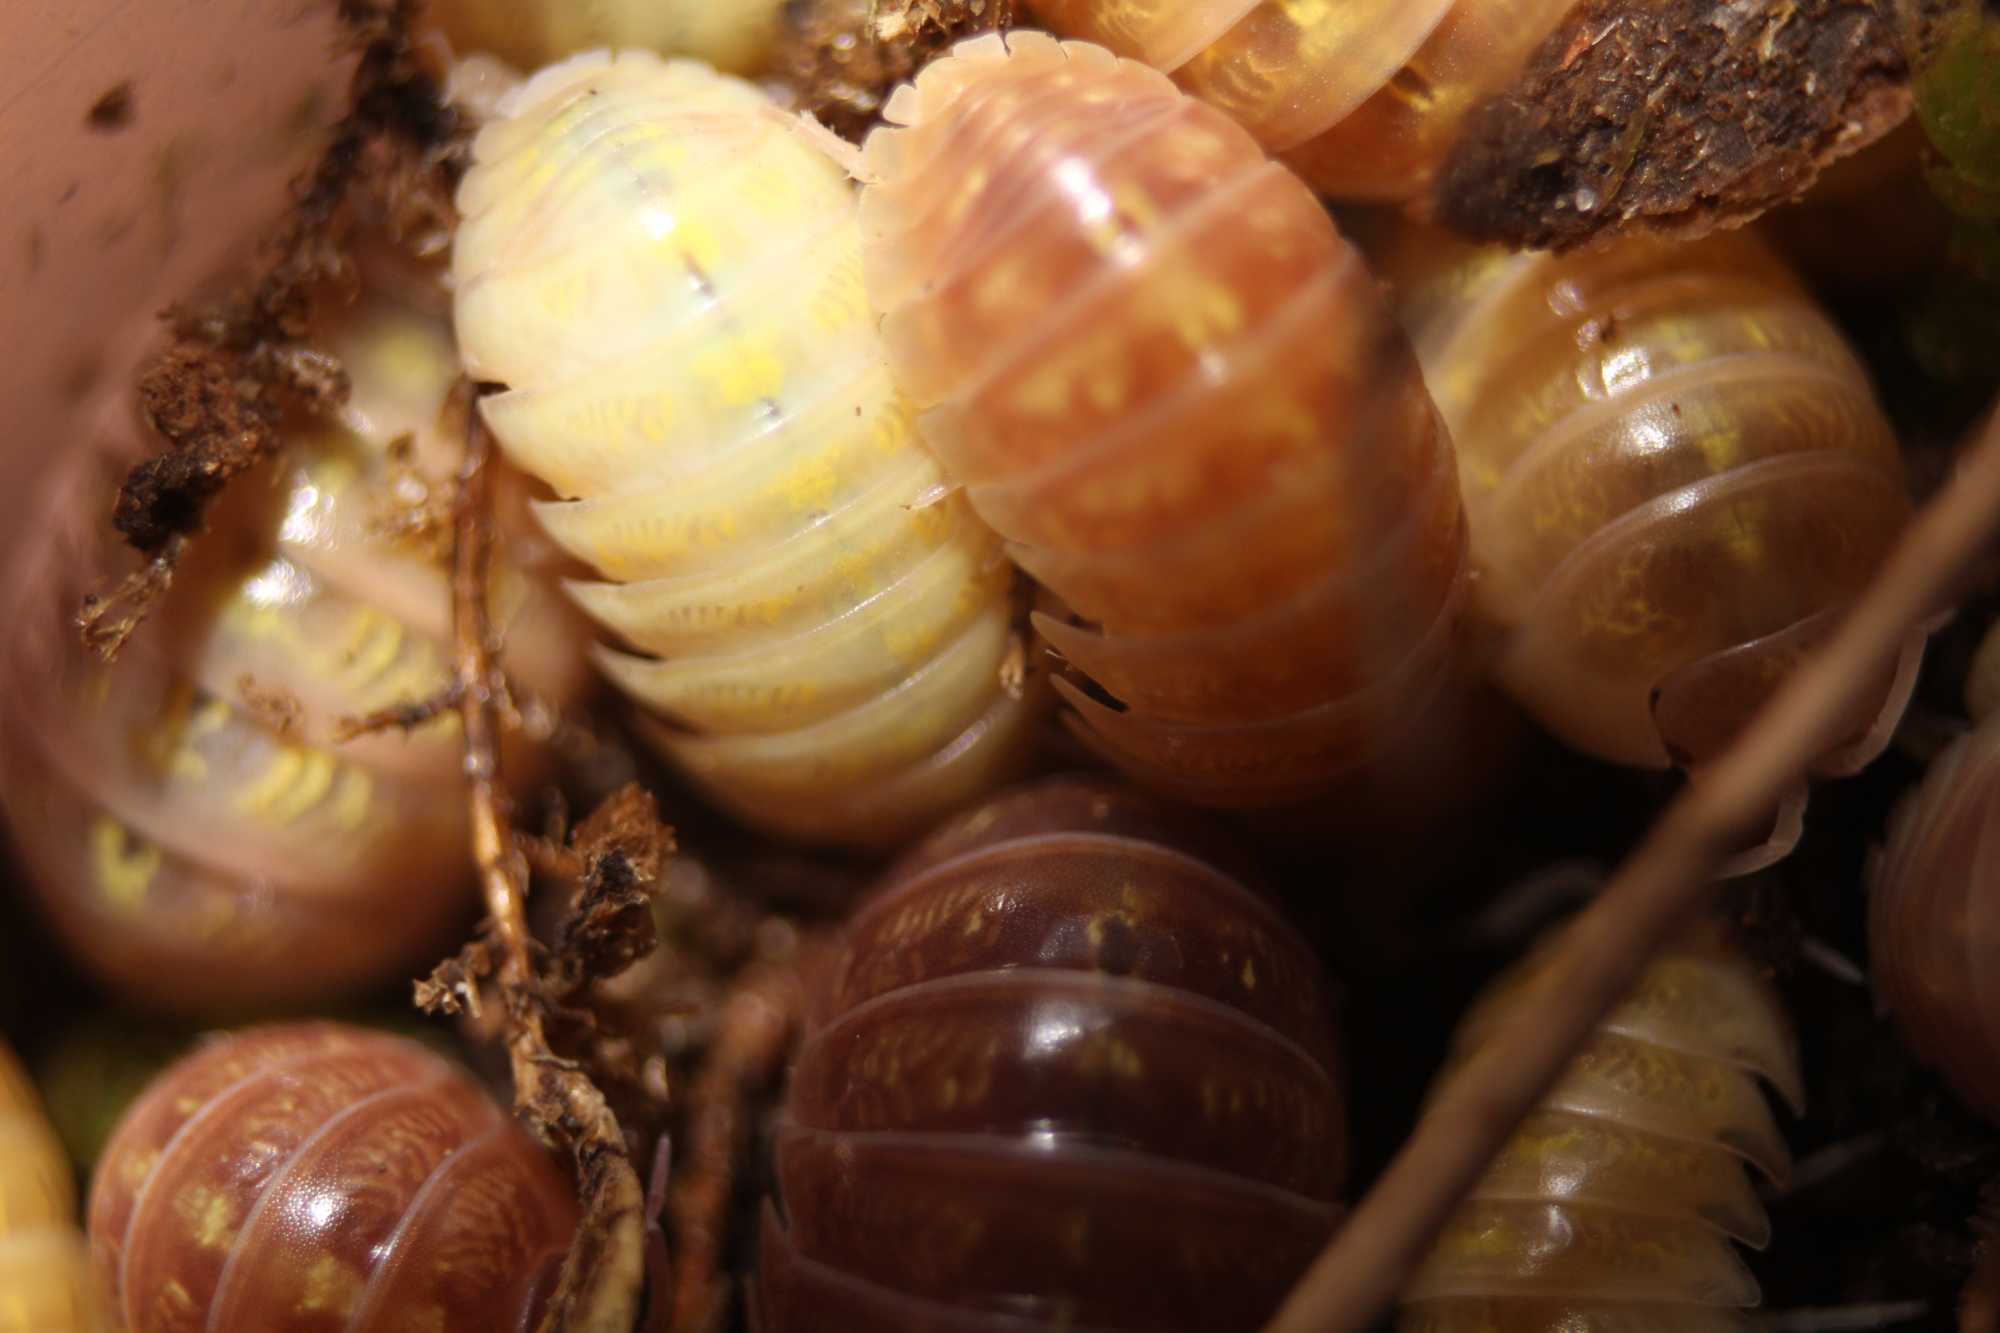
{"points": [[1664, 882], [751, 1041], [602, 1275]]}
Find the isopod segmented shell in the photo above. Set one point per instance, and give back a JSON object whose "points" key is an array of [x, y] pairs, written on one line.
{"points": [[1062, 1072], [45, 1279], [1160, 373], [190, 823], [1934, 917], [1613, 1207], [321, 1179], [1676, 475], [665, 272], [1362, 99]]}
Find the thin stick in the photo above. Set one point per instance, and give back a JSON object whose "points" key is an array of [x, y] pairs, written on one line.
{"points": [[751, 1042], [1665, 881], [601, 1276]]}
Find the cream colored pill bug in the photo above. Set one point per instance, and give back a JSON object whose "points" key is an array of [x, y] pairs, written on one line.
{"points": [[1363, 98], [1676, 474], [734, 35], [665, 273], [45, 1279], [186, 817], [1165, 377], [1613, 1208]]}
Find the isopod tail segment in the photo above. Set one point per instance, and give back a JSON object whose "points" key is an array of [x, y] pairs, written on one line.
{"points": [[1677, 480], [1163, 376], [1363, 99], [1613, 1208], [46, 1285], [665, 273], [1065, 1068]]}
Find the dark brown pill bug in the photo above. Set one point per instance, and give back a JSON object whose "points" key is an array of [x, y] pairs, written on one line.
{"points": [[1061, 1072]]}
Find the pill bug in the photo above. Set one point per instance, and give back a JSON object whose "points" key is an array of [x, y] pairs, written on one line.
{"points": [[1362, 99], [1161, 374], [1061, 1073], [1676, 477], [1615, 1204], [737, 36], [318, 1177], [1932, 917], [187, 820], [826, 627], [45, 1281]]}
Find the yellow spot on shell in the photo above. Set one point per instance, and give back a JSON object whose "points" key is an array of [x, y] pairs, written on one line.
{"points": [[331, 1288], [210, 1217], [123, 863], [739, 371], [1249, 975]]}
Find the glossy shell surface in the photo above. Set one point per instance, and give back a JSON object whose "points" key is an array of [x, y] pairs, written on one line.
{"points": [[1061, 1072], [45, 1280], [1613, 1208], [1934, 918], [1163, 376], [1676, 474], [820, 628], [1362, 97], [319, 1178], [189, 821]]}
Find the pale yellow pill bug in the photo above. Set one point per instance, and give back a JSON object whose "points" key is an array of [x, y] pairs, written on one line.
{"points": [[664, 271]]}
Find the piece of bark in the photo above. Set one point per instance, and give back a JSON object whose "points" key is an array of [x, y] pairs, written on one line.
{"points": [[1674, 117]]}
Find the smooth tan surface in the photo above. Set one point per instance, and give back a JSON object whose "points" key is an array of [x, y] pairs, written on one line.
{"points": [[103, 228], [45, 1283]]}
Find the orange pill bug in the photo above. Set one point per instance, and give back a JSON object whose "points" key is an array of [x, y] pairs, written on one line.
{"points": [[45, 1280], [1677, 479], [1934, 917], [187, 817], [1613, 1208], [1363, 99], [1062, 1071], [321, 1178], [665, 272], [1160, 372]]}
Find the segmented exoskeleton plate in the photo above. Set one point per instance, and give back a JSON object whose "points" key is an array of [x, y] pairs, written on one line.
{"points": [[189, 822], [1612, 1209], [320, 1179], [665, 272], [1160, 373], [1676, 475], [1063, 1072], [1363, 98], [1934, 917], [45, 1279]]}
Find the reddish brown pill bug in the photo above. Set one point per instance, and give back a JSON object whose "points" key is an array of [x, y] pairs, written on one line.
{"points": [[1162, 375], [316, 1177], [1677, 479], [1363, 99], [1062, 1071], [189, 817], [1934, 917]]}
